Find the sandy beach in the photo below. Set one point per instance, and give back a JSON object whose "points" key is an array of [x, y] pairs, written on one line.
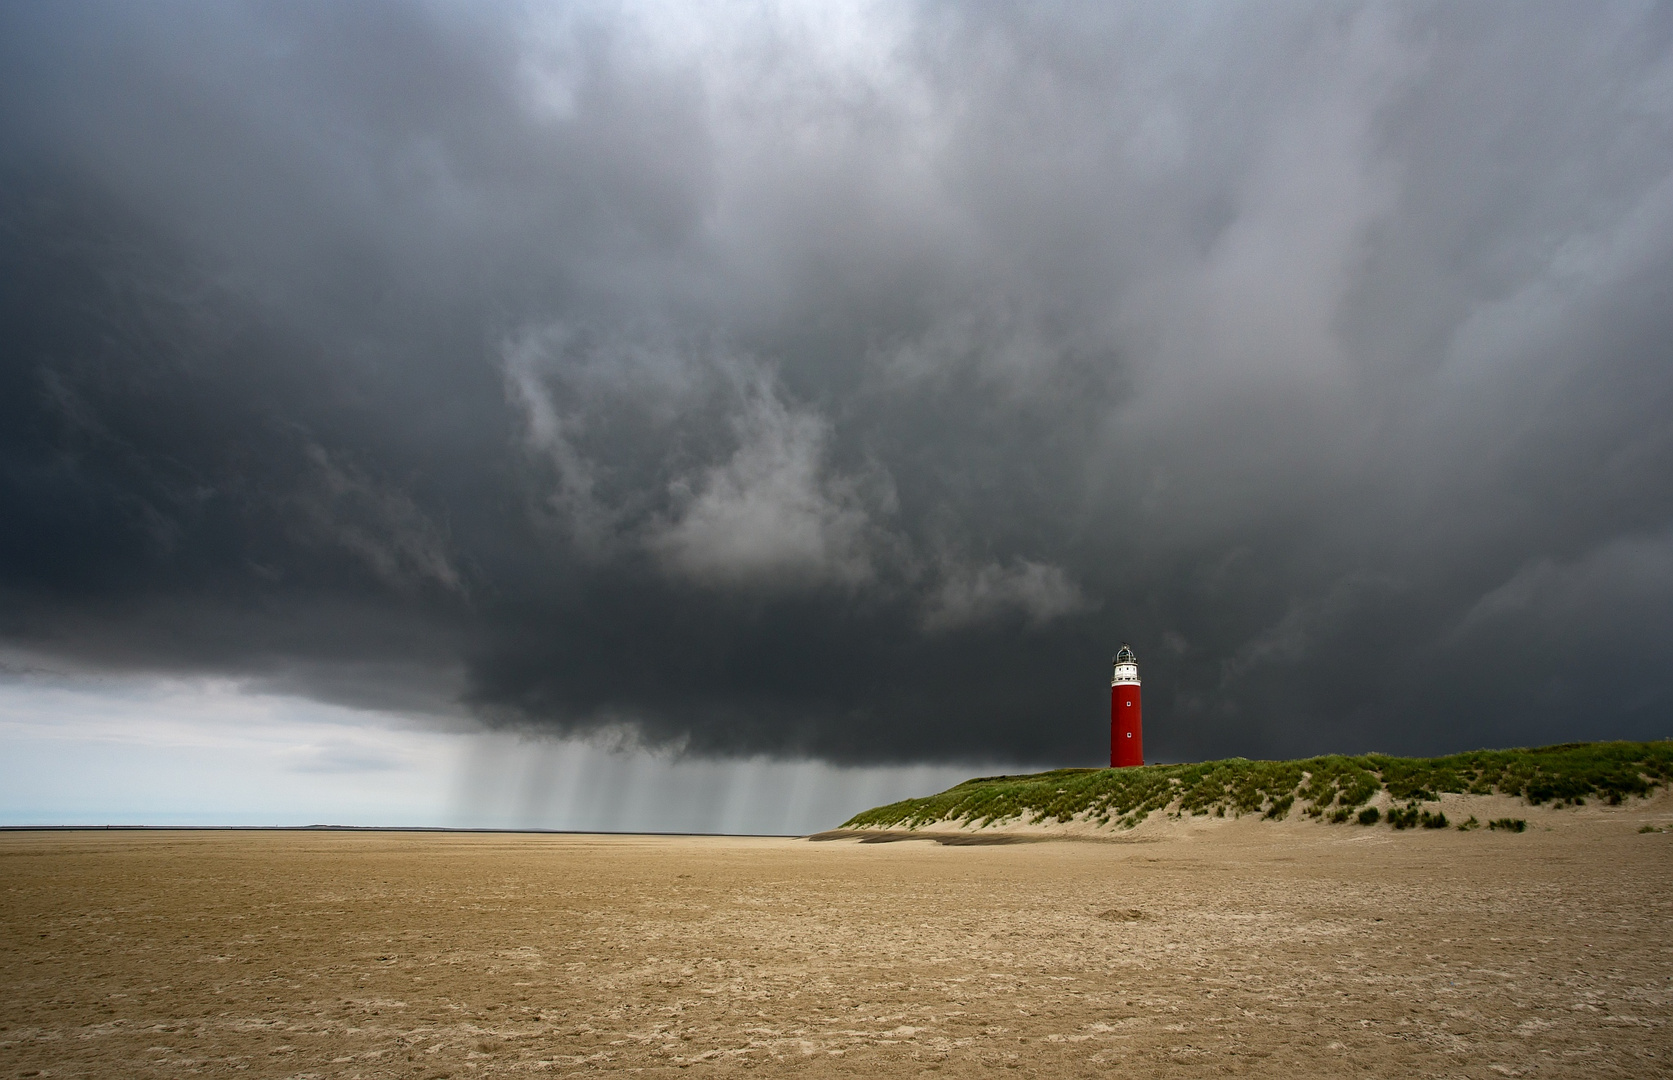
{"points": [[1242, 947]]}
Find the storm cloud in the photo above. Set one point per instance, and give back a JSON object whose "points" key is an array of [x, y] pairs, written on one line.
{"points": [[846, 380]]}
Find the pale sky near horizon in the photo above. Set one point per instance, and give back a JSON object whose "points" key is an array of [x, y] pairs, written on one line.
{"points": [[139, 750]]}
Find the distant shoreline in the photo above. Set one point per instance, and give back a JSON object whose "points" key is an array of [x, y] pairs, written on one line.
{"points": [[374, 828]]}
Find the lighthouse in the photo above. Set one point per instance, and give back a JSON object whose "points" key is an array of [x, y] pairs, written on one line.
{"points": [[1126, 715]]}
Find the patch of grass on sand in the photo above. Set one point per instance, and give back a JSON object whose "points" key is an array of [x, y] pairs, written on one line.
{"points": [[1402, 817], [1328, 788]]}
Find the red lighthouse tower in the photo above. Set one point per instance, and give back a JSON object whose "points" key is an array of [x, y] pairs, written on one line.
{"points": [[1126, 714]]}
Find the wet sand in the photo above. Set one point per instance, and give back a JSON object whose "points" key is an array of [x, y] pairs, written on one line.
{"points": [[1290, 949]]}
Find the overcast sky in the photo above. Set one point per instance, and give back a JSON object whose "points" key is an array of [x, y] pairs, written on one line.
{"points": [[843, 383]]}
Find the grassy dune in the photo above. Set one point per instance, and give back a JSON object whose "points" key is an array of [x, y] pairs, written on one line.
{"points": [[1329, 788]]}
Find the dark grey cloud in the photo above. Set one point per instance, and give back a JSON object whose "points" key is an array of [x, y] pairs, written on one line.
{"points": [[850, 380]]}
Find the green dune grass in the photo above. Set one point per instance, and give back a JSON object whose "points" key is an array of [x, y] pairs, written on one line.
{"points": [[1328, 788]]}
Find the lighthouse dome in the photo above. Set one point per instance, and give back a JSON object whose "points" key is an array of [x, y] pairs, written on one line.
{"points": [[1124, 655]]}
